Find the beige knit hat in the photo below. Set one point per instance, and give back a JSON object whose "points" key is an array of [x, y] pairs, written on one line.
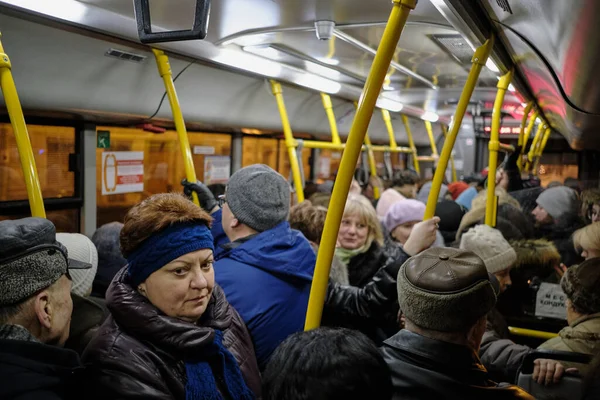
{"points": [[80, 248], [489, 244]]}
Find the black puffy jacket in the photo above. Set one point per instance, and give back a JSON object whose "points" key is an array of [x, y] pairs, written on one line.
{"points": [[371, 309], [424, 368], [363, 267], [138, 353]]}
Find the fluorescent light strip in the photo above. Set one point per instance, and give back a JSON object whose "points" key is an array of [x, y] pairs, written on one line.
{"points": [[390, 105], [430, 116]]}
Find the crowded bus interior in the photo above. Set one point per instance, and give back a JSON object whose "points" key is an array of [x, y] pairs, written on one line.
{"points": [[299, 199]]}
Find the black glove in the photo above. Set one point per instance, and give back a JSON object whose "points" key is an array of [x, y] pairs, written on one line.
{"points": [[205, 196]]}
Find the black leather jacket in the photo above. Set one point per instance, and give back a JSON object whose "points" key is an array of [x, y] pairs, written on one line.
{"points": [[424, 368], [138, 353], [371, 309]]}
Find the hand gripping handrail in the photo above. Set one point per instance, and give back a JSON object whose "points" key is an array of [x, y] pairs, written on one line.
{"points": [[491, 208], [164, 69], [398, 16], [478, 62], [17, 120]]}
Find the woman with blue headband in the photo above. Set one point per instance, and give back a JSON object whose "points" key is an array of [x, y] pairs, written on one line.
{"points": [[171, 334]]}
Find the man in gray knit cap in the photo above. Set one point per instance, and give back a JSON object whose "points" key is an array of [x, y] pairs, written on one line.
{"points": [[264, 267], [445, 295], [35, 312]]}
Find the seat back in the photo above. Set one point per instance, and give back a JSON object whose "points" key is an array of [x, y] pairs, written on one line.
{"points": [[570, 386]]}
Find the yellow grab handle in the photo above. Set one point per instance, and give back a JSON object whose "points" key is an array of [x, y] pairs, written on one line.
{"points": [[290, 143], [429, 128], [494, 147], [479, 58], [381, 63], [164, 69], [524, 123], [452, 167], [17, 120], [372, 165], [533, 149], [541, 148], [387, 119], [411, 143], [328, 106], [531, 333]]}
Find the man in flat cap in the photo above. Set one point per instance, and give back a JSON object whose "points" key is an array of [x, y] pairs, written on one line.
{"points": [[35, 312], [445, 295]]}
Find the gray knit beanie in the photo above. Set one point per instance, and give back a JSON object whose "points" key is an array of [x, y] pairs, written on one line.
{"points": [[558, 201], [259, 197], [581, 284], [445, 289], [489, 244]]}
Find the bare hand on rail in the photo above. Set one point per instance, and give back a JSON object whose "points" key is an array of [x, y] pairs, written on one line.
{"points": [[423, 235], [205, 196], [547, 372]]}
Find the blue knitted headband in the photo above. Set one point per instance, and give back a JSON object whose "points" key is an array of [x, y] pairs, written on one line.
{"points": [[165, 246]]}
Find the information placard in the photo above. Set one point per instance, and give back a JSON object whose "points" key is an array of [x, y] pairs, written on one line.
{"points": [[551, 301], [216, 169], [122, 172]]}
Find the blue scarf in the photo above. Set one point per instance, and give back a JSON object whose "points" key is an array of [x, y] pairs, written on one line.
{"points": [[165, 246], [201, 383]]}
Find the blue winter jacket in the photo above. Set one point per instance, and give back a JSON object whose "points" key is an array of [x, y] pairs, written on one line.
{"points": [[267, 280]]}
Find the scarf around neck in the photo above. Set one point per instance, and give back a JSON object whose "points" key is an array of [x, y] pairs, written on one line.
{"points": [[201, 383], [345, 255], [16, 332]]}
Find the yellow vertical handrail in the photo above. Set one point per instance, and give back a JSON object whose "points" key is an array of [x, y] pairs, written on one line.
{"points": [[526, 139], [494, 147], [17, 120], [533, 149], [372, 164], [398, 16], [164, 69], [478, 62], [411, 143], [328, 106], [452, 166], [522, 137], [541, 148], [371, 158], [429, 128], [290, 143], [387, 119]]}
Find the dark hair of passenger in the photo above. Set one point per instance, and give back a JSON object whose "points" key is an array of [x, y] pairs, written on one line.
{"points": [[309, 220], [573, 184], [327, 364], [405, 177], [217, 189]]}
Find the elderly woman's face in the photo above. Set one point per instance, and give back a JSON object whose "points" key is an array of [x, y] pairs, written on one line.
{"points": [[595, 214], [353, 232], [182, 288]]}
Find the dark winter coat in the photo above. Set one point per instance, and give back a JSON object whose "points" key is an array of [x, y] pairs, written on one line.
{"points": [[139, 353], [30, 370], [363, 267], [88, 315], [560, 234], [424, 368], [267, 279], [372, 309]]}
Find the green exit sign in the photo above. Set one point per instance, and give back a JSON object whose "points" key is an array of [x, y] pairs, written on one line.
{"points": [[103, 139]]}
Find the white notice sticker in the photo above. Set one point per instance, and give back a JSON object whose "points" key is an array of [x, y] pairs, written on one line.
{"points": [[551, 301], [122, 172]]}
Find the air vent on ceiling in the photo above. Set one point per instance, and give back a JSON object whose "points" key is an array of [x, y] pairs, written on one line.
{"points": [[503, 4], [455, 45], [124, 55]]}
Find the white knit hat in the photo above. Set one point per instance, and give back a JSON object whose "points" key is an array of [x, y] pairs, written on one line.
{"points": [[489, 244], [82, 249]]}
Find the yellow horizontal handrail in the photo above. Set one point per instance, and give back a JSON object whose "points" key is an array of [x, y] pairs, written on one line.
{"points": [[392, 150], [531, 333], [509, 148]]}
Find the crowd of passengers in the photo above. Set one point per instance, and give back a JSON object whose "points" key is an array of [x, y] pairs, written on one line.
{"points": [[187, 302]]}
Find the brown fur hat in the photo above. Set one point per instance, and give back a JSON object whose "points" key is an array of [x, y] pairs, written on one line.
{"points": [[155, 214]]}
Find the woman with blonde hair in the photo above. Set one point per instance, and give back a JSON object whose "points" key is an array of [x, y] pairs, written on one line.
{"points": [[360, 241], [587, 240]]}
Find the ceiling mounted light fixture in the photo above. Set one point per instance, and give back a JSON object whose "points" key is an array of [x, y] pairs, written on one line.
{"points": [[318, 83], [263, 51], [430, 116], [491, 65], [390, 105]]}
